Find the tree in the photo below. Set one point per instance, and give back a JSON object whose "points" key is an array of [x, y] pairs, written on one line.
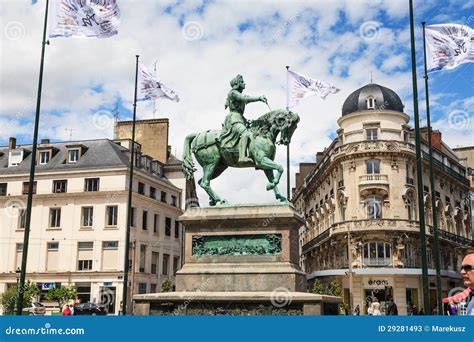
{"points": [[61, 295], [167, 286], [318, 287], [8, 298], [334, 288]]}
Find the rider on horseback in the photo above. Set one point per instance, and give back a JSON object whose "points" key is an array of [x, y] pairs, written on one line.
{"points": [[236, 125]]}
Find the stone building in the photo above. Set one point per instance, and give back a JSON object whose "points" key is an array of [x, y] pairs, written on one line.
{"points": [[467, 159], [79, 216], [360, 204]]}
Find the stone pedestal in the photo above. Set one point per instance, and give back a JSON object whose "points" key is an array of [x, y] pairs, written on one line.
{"points": [[239, 260]]}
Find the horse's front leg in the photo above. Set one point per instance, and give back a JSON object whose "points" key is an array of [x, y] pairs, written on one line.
{"points": [[271, 179], [265, 164]]}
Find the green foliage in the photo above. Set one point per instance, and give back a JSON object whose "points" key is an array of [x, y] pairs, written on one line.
{"points": [[8, 298], [167, 286], [61, 295], [334, 288]]}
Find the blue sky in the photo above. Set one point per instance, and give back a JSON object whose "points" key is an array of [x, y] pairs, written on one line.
{"points": [[201, 45]]}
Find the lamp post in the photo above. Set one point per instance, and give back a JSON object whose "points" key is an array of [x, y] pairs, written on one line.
{"points": [[18, 273]]}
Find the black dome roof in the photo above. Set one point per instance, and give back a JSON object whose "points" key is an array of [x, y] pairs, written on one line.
{"points": [[385, 99]]}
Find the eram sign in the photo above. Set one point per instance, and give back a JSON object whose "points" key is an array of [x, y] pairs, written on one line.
{"points": [[378, 282]]}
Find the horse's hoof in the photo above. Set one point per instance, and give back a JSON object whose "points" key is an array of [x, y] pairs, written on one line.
{"points": [[270, 186], [212, 203], [282, 199]]}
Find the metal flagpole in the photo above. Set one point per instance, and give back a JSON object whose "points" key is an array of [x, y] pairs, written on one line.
{"points": [[287, 146], [432, 185], [26, 236], [419, 171], [129, 204]]}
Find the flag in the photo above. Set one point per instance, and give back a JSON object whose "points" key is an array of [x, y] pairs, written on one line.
{"points": [[448, 45], [84, 18], [150, 87], [300, 87]]}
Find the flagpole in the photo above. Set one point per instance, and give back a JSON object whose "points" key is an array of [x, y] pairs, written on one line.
{"points": [[26, 235], [287, 146], [419, 171], [432, 185], [129, 204]]}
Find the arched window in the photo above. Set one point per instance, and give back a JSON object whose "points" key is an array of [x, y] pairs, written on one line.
{"points": [[377, 254], [370, 103], [374, 207], [409, 256], [410, 211]]}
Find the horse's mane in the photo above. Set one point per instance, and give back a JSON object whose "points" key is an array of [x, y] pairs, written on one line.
{"points": [[264, 121]]}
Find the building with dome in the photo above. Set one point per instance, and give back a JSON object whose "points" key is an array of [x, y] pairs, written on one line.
{"points": [[360, 204]]}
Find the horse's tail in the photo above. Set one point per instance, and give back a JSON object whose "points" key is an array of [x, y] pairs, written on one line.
{"points": [[188, 163]]}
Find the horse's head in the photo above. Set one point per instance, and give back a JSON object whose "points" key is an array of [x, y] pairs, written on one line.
{"points": [[285, 121]]}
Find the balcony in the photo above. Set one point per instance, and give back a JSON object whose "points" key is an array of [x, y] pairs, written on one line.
{"points": [[374, 181], [446, 169], [445, 235], [377, 261], [410, 181]]}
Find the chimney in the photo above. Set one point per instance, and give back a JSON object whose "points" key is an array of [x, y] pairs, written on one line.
{"points": [[12, 143], [44, 141], [436, 139], [168, 152]]}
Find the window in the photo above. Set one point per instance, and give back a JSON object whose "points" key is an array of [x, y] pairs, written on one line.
{"points": [[168, 226], [176, 229], [3, 189], [91, 184], [110, 245], [18, 256], [142, 258], [59, 186], [21, 219], [154, 262], [141, 288], [156, 224], [370, 103], [410, 209], [109, 255], [85, 256], [141, 188], [373, 166], [112, 212], [173, 200], [377, 254], [44, 157], [152, 192], [87, 216], [166, 261], [25, 188], [374, 207], [145, 220], [52, 256], [409, 256], [132, 217], [163, 197], [175, 264], [55, 217], [73, 156], [153, 288], [372, 134]]}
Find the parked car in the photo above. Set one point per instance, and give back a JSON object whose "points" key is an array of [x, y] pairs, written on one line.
{"points": [[90, 309], [36, 309]]}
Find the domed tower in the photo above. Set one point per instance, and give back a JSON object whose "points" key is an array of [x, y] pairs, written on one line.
{"points": [[360, 206]]}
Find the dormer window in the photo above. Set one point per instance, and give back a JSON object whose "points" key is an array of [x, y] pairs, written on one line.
{"points": [[73, 155], [44, 157], [370, 103], [15, 157]]}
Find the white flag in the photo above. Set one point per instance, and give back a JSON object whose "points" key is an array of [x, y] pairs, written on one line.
{"points": [[84, 18], [448, 45], [150, 87], [300, 87]]}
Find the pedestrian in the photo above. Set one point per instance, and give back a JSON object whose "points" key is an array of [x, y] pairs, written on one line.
{"points": [[392, 309], [357, 310], [414, 310], [71, 307], [375, 307], [467, 274], [421, 312], [67, 311], [452, 309]]}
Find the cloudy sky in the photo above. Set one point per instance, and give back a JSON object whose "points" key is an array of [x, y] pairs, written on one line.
{"points": [[200, 46]]}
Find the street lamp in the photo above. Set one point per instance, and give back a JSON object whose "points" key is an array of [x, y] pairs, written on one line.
{"points": [[18, 272]]}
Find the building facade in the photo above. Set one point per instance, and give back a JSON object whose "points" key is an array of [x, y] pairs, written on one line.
{"points": [[79, 216], [361, 208]]}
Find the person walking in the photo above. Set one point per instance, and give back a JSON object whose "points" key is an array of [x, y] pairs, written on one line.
{"points": [[375, 307], [67, 311], [467, 274], [357, 310], [392, 309]]}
